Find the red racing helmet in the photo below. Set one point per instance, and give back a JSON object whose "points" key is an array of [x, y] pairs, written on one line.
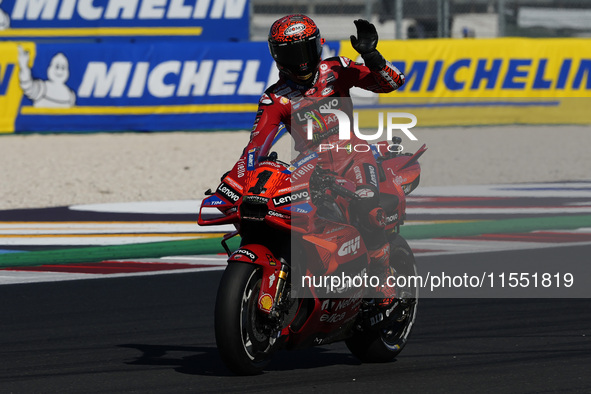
{"points": [[296, 46]]}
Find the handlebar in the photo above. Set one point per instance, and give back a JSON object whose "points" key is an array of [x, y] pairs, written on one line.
{"points": [[272, 157], [343, 191], [325, 179]]}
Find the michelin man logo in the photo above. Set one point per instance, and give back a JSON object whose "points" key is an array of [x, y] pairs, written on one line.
{"points": [[4, 19], [52, 93]]}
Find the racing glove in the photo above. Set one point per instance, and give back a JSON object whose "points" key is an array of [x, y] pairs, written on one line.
{"points": [[365, 43]]}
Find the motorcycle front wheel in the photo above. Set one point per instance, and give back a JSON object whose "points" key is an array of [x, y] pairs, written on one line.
{"points": [[241, 338], [385, 343]]}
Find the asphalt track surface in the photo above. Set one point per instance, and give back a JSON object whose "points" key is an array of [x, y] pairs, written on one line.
{"points": [[154, 334]]}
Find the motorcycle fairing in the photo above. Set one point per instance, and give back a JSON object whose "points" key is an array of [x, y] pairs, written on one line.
{"points": [[326, 320], [337, 244], [214, 201], [404, 170], [261, 256]]}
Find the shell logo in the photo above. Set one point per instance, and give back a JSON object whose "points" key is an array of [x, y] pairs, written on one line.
{"points": [[266, 302]]}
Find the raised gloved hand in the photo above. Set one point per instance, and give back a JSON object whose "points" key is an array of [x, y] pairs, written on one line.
{"points": [[367, 37], [365, 43]]}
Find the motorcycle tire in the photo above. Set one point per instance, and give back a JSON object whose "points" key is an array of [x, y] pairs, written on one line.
{"points": [[383, 345], [244, 348]]}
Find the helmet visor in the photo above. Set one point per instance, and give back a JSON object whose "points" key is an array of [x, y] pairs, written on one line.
{"points": [[300, 57]]}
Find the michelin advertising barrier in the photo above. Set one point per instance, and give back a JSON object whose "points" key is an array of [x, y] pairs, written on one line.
{"points": [[488, 81], [203, 86], [207, 20], [123, 86]]}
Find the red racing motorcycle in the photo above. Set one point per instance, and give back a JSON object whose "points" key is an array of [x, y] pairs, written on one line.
{"points": [[295, 231]]}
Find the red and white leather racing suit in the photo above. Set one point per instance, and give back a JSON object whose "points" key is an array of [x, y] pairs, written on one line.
{"points": [[335, 77]]}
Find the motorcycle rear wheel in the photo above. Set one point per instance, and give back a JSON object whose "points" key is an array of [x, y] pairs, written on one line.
{"points": [[243, 345], [386, 343]]}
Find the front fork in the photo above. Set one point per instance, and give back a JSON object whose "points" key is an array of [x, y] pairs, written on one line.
{"points": [[280, 307], [277, 311]]}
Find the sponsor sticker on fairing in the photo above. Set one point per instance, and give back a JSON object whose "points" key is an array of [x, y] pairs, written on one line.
{"points": [[350, 247], [289, 170], [266, 302], [228, 192], [213, 201], [392, 218], [235, 184], [371, 174], [240, 168], [250, 159], [255, 199], [290, 198], [272, 261], [375, 151], [302, 171], [277, 214], [306, 159], [300, 208], [244, 252]]}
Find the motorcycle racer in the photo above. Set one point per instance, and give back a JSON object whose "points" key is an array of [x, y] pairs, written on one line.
{"points": [[306, 83]]}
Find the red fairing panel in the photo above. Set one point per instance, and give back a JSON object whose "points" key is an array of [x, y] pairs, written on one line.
{"points": [[261, 256]]}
